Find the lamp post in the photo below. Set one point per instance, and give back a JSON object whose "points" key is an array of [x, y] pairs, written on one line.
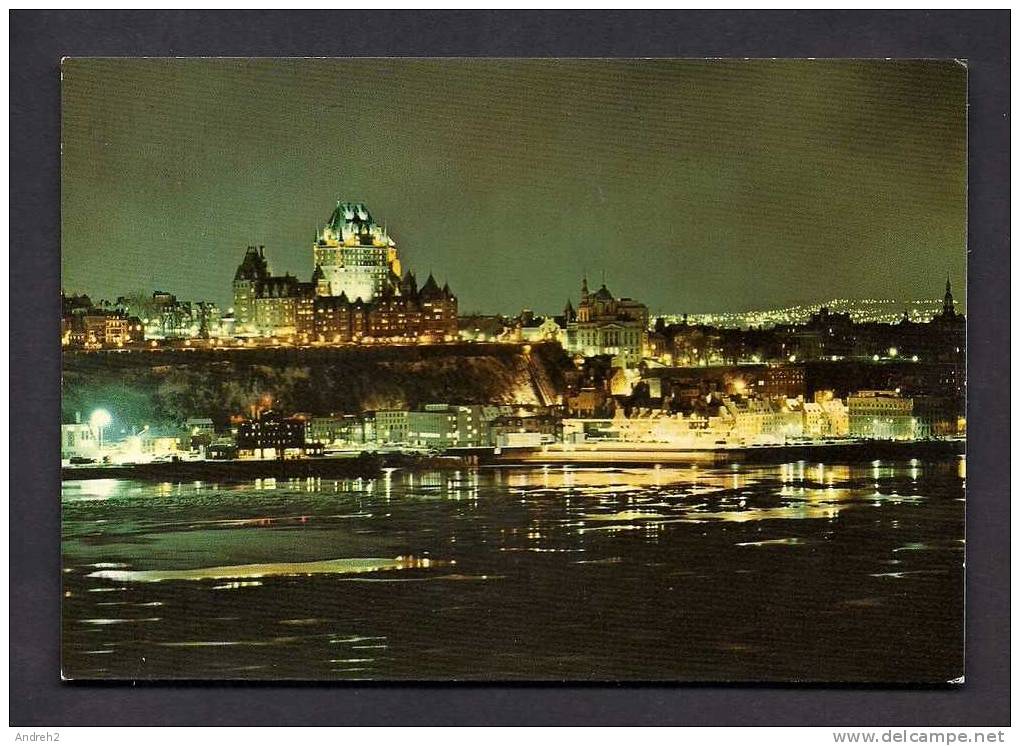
{"points": [[99, 420]]}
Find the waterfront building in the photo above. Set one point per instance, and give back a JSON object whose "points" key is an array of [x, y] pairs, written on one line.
{"points": [[199, 432], [753, 419], [660, 429], [887, 415], [78, 441], [814, 423], [936, 417], [655, 427], [514, 439], [606, 325], [524, 429], [881, 415], [271, 435], [447, 426], [836, 413], [199, 426], [156, 443], [220, 449], [339, 429], [391, 426]]}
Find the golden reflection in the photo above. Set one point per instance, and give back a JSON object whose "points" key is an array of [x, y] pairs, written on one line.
{"points": [[268, 569], [94, 489], [793, 511]]}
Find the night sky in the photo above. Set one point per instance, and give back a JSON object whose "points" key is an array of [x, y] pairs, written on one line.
{"points": [[691, 185]]}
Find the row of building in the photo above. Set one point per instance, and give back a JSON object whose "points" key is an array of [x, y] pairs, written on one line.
{"points": [[133, 320], [266, 305], [722, 421], [92, 326], [880, 415], [356, 290], [870, 415], [825, 336], [356, 293], [619, 328]]}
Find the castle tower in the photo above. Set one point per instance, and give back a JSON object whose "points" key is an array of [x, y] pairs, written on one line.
{"points": [[355, 254], [251, 273], [319, 282]]}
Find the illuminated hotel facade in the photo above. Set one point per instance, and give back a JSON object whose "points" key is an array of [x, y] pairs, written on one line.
{"points": [[355, 254], [356, 292]]}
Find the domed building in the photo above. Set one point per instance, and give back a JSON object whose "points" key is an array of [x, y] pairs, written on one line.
{"points": [[606, 325]]}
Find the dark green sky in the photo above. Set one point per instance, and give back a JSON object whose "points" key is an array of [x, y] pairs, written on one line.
{"points": [[695, 186]]}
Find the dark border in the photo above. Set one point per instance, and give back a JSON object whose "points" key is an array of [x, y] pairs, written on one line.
{"points": [[40, 39]]}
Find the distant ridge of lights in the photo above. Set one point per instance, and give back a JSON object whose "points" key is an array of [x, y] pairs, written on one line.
{"points": [[861, 310]]}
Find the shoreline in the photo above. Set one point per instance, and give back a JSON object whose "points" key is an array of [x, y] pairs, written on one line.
{"points": [[371, 465], [851, 452]]}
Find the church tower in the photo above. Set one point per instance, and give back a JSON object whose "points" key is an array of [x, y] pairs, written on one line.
{"points": [[948, 305]]}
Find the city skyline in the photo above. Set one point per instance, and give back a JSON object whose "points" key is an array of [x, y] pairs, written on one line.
{"points": [[541, 340], [852, 184]]}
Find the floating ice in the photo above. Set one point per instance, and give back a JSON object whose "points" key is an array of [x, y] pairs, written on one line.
{"points": [[266, 569], [771, 542]]}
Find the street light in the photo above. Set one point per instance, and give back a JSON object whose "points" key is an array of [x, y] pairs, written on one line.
{"points": [[99, 420]]}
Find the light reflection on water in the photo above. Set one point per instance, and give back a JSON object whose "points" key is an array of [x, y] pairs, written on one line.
{"points": [[768, 572]]}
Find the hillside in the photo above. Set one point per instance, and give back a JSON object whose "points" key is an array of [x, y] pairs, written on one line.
{"points": [[169, 386]]}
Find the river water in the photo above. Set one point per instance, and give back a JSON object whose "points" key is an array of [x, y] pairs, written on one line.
{"points": [[781, 572]]}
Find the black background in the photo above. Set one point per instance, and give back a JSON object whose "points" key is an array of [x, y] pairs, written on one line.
{"points": [[40, 39]]}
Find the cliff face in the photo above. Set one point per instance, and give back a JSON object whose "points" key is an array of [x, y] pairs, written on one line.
{"points": [[168, 387]]}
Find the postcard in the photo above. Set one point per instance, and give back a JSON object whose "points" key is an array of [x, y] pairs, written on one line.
{"points": [[513, 369]]}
